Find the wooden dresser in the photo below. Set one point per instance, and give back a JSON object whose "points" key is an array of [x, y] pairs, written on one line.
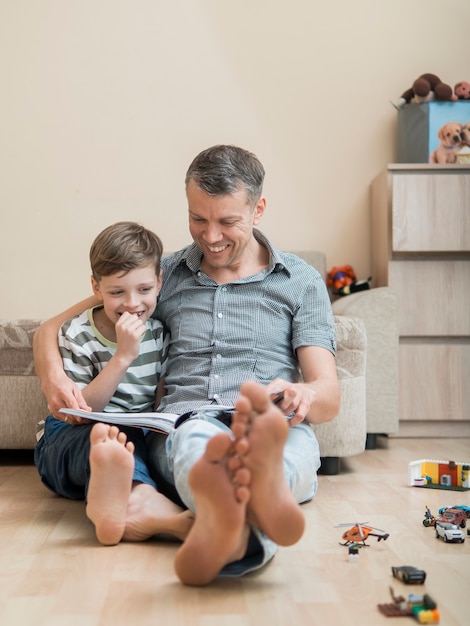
{"points": [[420, 230]]}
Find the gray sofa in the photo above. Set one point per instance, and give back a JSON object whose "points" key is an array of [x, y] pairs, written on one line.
{"points": [[23, 403]]}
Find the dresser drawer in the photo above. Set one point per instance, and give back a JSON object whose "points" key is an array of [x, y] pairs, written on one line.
{"points": [[430, 212], [433, 381], [433, 296]]}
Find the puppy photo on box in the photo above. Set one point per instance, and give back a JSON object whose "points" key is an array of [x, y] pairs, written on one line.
{"points": [[463, 155], [465, 134], [450, 144]]}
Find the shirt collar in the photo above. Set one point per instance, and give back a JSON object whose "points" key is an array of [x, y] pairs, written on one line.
{"points": [[192, 256]]}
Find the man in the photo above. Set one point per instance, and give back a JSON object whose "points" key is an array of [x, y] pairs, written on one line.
{"points": [[237, 310]]}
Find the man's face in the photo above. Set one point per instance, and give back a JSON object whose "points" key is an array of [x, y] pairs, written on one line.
{"points": [[222, 226]]}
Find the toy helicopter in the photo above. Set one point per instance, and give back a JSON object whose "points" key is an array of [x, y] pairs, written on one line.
{"points": [[359, 533]]}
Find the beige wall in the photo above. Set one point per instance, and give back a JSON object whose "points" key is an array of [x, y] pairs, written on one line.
{"points": [[105, 102]]}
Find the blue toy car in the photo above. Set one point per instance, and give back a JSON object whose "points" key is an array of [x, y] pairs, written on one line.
{"points": [[462, 507]]}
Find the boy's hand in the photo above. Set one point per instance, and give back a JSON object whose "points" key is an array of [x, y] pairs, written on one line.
{"points": [[129, 331]]}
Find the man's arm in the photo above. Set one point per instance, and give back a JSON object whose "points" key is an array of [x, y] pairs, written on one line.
{"points": [[317, 399], [59, 390]]}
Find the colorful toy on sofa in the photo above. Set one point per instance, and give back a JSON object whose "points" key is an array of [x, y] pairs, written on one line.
{"points": [[342, 281]]}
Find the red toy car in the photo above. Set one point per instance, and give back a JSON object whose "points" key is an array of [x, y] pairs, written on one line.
{"points": [[453, 516]]}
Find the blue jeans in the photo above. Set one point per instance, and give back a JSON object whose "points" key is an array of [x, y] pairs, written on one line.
{"points": [[62, 457], [172, 458]]}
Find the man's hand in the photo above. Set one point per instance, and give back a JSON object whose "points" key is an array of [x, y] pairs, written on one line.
{"points": [[297, 400], [59, 390], [64, 393]]}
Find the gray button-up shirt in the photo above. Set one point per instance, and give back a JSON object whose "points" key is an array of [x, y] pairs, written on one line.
{"points": [[249, 329]]}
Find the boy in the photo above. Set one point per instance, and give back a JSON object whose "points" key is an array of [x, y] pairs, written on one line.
{"points": [[115, 353]]}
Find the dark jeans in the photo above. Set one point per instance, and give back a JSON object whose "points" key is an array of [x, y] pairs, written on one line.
{"points": [[62, 457]]}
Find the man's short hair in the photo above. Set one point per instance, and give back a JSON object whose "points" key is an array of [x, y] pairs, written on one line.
{"points": [[222, 170]]}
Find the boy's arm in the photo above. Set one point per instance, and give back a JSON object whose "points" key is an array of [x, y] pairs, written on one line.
{"points": [[129, 331], [59, 390]]}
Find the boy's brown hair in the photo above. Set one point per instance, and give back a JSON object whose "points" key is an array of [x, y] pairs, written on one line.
{"points": [[122, 247]]}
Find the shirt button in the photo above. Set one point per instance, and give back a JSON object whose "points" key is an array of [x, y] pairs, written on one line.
{"points": [[219, 356], [219, 315]]}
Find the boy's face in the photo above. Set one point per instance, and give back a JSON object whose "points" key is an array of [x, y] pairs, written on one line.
{"points": [[135, 291]]}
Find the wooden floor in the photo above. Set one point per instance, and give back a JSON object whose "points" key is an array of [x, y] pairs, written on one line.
{"points": [[53, 573]]}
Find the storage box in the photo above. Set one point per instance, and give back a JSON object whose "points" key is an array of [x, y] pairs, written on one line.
{"points": [[418, 127]]}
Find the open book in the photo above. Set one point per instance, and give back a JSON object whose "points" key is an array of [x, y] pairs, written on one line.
{"points": [[160, 422]]}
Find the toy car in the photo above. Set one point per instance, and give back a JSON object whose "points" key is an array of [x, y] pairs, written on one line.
{"points": [[453, 515], [462, 507], [409, 575], [449, 532]]}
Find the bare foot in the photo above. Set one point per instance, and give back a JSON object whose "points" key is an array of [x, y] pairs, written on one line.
{"points": [[150, 513], [261, 431], [220, 534], [112, 466]]}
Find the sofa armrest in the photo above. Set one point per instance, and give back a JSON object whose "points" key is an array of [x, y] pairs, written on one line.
{"points": [[23, 403], [345, 435], [378, 308]]}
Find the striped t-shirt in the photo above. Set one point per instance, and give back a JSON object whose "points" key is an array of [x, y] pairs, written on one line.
{"points": [[85, 352]]}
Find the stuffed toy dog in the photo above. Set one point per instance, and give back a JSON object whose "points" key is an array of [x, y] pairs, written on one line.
{"points": [[462, 90], [427, 87]]}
